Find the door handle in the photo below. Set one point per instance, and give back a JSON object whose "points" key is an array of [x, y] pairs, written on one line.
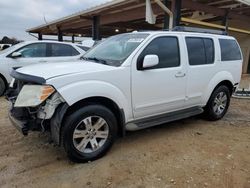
{"points": [[180, 74]]}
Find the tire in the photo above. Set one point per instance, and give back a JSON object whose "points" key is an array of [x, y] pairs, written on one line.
{"points": [[218, 103], [2, 86], [89, 133]]}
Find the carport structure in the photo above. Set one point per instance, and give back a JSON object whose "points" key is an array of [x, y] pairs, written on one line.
{"points": [[120, 16]]}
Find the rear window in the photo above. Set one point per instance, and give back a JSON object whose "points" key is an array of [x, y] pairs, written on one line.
{"points": [[200, 50], [60, 50], [230, 50]]}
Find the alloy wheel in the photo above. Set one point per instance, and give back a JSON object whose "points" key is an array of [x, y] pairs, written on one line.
{"points": [[90, 134], [220, 103]]}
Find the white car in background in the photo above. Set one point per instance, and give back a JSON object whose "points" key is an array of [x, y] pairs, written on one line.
{"points": [[4, 46], [33, 52]]}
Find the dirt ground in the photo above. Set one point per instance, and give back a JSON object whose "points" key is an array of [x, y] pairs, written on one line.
{"points": [[187, 153]]}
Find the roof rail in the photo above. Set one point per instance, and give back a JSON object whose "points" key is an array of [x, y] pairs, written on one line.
{"points": [[198, 30]]}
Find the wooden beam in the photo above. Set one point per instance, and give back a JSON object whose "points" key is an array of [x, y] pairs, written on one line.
{"points": [[138, 26], [188, 20], [213, 10]]}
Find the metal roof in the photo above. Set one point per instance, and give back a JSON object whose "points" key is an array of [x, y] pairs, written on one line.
{"points": [[129, 15]]}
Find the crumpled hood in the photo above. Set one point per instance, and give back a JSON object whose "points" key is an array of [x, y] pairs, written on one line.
{"points": [[51, 70]]}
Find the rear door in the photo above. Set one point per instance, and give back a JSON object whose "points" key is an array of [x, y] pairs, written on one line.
{"points": [[62, 52], [202, 61]]}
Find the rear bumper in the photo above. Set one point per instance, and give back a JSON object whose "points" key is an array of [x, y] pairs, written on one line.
{"points": [[21, 126]]}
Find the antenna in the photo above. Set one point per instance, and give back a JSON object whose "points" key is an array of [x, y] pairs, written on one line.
{"points": [[44, 18]]}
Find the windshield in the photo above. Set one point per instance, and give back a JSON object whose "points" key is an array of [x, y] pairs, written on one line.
{"points": [[115, 50]]}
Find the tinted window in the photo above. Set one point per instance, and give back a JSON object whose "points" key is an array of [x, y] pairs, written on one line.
{"points": [[166, 48], [200, 50], [229, 50], [58, 50], [33, 50], [209, 49]]}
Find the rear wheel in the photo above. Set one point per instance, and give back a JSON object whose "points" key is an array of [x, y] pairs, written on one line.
{"points": [[2, 86], [89, 133], [218, 103]]}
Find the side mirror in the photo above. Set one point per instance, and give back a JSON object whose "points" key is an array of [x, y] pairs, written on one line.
{"points": [[150, 61], [16, 55]]}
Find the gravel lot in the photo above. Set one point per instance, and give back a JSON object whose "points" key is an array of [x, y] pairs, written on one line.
{"points": [[187, 153]]}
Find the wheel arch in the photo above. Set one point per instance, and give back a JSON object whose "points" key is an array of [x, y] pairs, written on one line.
{"points": [[221, 78], [108, 103], [65, 110], [227, 83]]}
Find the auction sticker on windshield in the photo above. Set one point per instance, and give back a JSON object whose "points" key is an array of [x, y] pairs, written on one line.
{"points": [[136, 40]]}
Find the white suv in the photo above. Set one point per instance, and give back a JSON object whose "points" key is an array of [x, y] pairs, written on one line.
{"points": [[33, 52], [128, 82]]}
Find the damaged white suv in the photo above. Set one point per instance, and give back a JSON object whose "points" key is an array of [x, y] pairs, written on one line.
{"points": [[128, 82]]}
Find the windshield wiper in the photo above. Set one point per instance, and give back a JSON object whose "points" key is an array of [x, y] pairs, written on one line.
{"points": [[96, 60]]}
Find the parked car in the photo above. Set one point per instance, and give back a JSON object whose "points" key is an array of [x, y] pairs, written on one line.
{"points": [[128, 82], [89, 43], [33, 52], [4, 46]]}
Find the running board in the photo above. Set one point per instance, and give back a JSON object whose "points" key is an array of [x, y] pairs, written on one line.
{"points": [[164, 118]]}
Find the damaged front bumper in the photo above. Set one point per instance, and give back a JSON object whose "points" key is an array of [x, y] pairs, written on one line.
{"points": [[20, 125], [23, 121]]}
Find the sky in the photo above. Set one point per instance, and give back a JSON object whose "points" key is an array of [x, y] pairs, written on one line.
{"points": [[18, 15]]}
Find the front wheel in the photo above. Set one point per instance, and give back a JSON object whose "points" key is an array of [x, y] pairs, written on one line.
{"points": [[218, 103], [89, 133]]}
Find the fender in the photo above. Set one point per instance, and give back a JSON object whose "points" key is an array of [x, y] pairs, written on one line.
{"points": [[75, 92], [219, 77]]}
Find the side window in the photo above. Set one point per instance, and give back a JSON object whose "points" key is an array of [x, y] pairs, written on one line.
{"points": [[167, 49], [209, 49], [200, 50], [33, 50], [59, 50], [229, 50]]}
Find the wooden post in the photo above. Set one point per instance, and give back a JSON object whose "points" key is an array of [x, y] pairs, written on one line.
{"points": [[60, 35], [40, 36], [96, 28], [166, 17], [176, 9], [225, 21]]}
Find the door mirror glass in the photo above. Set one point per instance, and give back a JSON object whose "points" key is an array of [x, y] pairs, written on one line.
{"points": [[150, 61], [16, 55]]}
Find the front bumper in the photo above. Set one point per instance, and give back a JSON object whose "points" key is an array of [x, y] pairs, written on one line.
{"points": [[24, 119], [21, 126]]}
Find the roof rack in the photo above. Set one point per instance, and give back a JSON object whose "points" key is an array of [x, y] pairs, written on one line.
{"points": [[198, 30]]}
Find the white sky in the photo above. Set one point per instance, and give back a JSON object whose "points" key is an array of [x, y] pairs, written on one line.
{"points": [[18, 15]]}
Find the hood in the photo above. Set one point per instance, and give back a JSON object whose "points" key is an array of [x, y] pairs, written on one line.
{"points": [[51, 70]]}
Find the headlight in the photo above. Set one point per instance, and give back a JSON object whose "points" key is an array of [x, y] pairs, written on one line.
{"points": [[33, 95]]}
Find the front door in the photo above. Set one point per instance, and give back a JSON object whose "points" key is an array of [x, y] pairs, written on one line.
{"points": [[30, 54], [159, 89]]}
